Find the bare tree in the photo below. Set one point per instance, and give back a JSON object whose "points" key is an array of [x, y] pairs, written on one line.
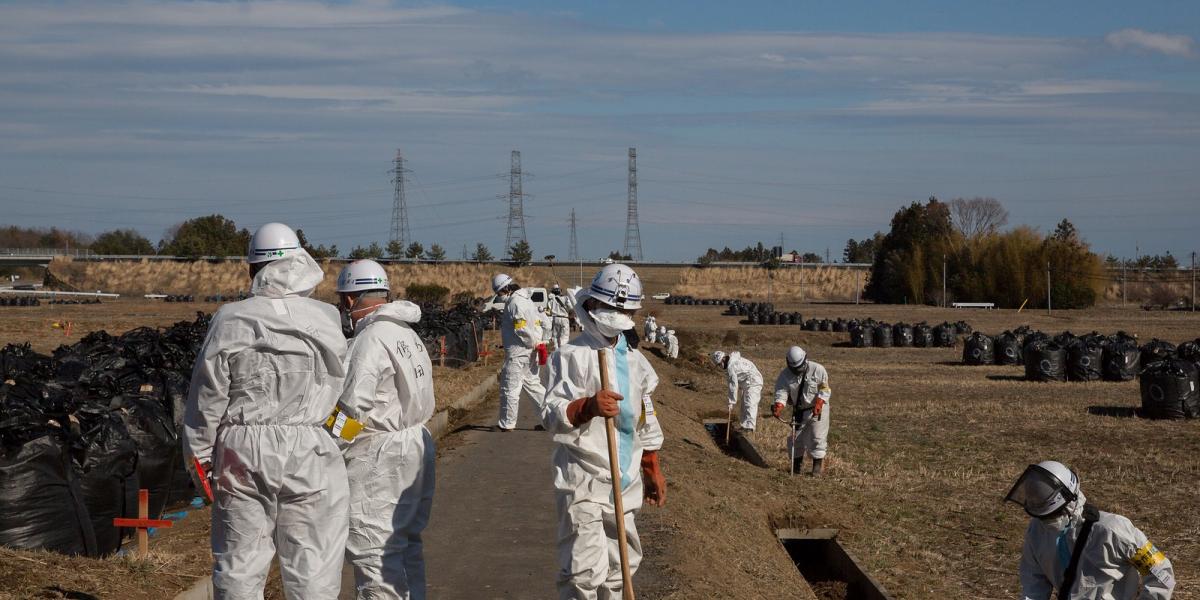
{"points": [[978, 216]]}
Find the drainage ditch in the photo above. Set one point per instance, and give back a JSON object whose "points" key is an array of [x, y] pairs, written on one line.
{"points": [[831, 571], [739, 445]]}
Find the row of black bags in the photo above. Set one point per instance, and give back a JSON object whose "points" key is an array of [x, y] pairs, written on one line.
{"points": [[870, 334], [81, 431]]}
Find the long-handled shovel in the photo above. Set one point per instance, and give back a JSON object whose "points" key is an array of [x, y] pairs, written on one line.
{"points": [[615, 471]]}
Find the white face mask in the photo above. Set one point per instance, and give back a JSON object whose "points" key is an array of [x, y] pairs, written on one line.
{"points": [[1057, 523], [611, 322]]}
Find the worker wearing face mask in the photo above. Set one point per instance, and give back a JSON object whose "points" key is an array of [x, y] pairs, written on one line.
{"points": [[804, 385], [561, 307], [1079, 552], [744, 380], [574, 411], [524, 351]]}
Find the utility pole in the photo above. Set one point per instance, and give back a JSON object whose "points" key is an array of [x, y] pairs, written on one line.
{"points": [[516, 205], [573, 253], [1123, 261], [857, 284], [1049, 308], [633, 235], [399, 231], [1193, 282], [465, 255]]}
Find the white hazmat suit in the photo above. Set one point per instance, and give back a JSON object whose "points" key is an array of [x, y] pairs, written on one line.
{"points": [[651, 329], [801, 393], [589, 557], [390, 463], [672, 345], [266, 379], [741, 374], [1117, 563], [521, 332], [561, 306]]}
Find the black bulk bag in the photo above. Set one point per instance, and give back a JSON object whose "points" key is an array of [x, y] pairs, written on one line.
{"points": [[839, 325], [1156, 350], [1064, 339], [41, 504], [978, 350], [1169, 390], [107, 474], [825, 325], [795, 319], [862, 336], [1189, 351], [963, 328], [1007, 349], [1045, 361], [1122, 361], [158, 448], [945, 335], [902, 335], [1085, 360], [883, 336], [922, 336]]}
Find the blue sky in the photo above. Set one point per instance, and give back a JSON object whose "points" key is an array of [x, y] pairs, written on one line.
{"points": [[813, 120]]}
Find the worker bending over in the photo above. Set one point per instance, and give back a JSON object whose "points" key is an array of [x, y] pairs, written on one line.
{"points": [[1074, 551], [741, 374]]}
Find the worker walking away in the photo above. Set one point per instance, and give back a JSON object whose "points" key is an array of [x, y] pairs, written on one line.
{"points": [[672, 344], [741, 374], [1076, 551], [268, 375], [651, 329], [387, 399], [524, 351], [804, 385], [561, 306], [574, 410]]}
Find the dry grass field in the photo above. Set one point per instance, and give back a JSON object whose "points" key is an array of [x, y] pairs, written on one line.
{"points": [[922, 451], [808, 283]]}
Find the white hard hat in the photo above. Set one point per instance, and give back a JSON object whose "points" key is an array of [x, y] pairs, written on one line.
{"points": [[618, 286], [501, 281], [662, 328], [796, 356], [272, 241], [670, 332], [1044, 488], [717, 357], [362, 275]]}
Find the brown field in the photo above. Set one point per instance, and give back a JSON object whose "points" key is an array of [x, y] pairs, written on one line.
{"points": [[922, 451], [800, 282]]}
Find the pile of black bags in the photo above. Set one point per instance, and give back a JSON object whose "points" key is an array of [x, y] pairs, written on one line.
{"points": [[82, 430]]}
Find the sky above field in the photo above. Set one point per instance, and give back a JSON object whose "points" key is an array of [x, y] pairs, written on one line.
{"points": [[814, 120]]}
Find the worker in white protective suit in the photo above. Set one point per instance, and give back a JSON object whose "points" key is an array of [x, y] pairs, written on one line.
{"points": [[561, 306], [651, 329], [524, 351], [266, 379], [574, 410], [672, 344], [804, 385], [390, 460], [661, 335], [742, 376], [1074, 551]]}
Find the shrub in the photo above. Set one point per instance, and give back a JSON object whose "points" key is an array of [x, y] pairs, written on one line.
{"points": [[426, 292]]}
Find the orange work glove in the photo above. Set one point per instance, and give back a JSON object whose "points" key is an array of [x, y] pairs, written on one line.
{"points": [[654, 485], [777, 411], [542, 354], [605, 403], [818, 406]]}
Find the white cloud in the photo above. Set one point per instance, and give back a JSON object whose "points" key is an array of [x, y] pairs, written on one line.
{"points": [[1137, 39]]}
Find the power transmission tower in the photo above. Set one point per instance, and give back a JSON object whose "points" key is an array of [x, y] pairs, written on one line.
{"points": [[516, 205], [573, 253], [633, 236], [399, 232]]}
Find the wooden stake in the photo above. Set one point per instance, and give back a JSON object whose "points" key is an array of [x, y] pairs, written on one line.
{"points": [[615, 471], [143, 523]]}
